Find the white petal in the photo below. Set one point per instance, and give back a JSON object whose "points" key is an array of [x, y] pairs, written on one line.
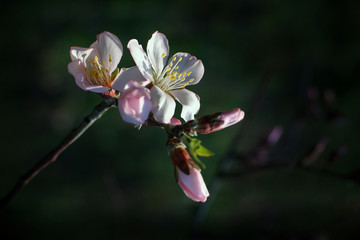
{"points": [[190, 65], [110, 50], [80, 53], [96, 88], [140, 59], [76, 67], [83, 84], [158, 51], [190, 102], [127, 74], [163, 105]]}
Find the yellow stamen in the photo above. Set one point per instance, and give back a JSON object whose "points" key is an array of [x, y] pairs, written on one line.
{"points": [[185, 84], [163, 55]]}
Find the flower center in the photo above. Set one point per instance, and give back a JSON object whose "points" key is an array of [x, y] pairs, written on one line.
{"points": [[171, 78], [97, 74]]}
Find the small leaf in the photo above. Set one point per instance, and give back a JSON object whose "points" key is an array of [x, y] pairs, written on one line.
{"points": [[196, 149], [204, 152]]}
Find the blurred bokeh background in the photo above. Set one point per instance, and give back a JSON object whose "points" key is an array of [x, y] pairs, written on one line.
{"points": [[292, 66]]}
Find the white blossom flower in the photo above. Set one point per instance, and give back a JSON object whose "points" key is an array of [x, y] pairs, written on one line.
{"points": [[94, 68], [167, 79]]}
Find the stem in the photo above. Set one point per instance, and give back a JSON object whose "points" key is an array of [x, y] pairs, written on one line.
{"points": [[51, 157]]}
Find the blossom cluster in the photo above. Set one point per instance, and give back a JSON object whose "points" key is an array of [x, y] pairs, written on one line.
{"points": [[147, 93]]}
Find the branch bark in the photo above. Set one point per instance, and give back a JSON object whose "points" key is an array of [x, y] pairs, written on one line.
{"points": [[51, 157]]}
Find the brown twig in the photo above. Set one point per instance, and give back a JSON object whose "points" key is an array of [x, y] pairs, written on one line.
{"points": [[51, 157]]}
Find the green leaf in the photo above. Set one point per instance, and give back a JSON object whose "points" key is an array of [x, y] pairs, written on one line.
{"points": [[204, 152], [196, 149]]}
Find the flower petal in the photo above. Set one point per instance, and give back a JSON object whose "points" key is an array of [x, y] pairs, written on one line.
{"points": [[189, 66], [96, 88], [110, 50], [193, 185], [127, 74], [83, 84], [77, 69], [80, 53], [135, 103], [163, 105], [158, 52], [190, 102], [140, 59]]}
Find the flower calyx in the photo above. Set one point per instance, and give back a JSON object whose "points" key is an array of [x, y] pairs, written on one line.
{"points": [[179, 156]]}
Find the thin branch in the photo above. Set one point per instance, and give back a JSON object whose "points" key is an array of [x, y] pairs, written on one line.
{"points": [[51, 157]]}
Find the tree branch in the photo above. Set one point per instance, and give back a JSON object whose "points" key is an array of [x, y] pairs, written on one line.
{"points": [[51, 157]]}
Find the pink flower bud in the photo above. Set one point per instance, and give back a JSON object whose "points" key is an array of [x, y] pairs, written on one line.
{"points": [[218, 121], [187, 173], [175, 121], [192, 184], [134, 103]]}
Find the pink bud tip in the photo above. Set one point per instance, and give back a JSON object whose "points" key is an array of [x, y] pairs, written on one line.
{"points": [[231, 117], [193, 185], [218, 121], [175, 121]]}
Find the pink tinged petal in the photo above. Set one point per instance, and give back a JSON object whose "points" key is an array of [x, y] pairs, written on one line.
{"points": [[80, 53], [90, 57], [231, 117], [77, 69], [83, 84], [158, 52], [127, 74], [110, 50], [96, 88], [163, 105], [140, 58], [134, 103], [193, 185], [189, 64], [190, 102]]}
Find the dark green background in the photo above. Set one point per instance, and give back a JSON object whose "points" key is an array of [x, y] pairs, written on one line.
{"points": [[116, 182]]}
